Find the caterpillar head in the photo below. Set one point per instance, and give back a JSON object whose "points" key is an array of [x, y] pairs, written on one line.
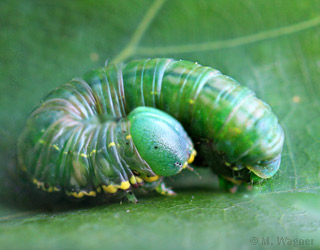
{"points": [[160, 140]]}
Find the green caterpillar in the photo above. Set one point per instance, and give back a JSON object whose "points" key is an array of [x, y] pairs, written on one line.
{"points": [[106, 133]]}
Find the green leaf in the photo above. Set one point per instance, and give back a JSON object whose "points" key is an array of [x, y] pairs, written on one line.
{"points": [[270, 46]]}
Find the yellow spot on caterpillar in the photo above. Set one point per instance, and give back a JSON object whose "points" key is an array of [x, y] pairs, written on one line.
{"points": [[56, 147], [77, 195], [128, 137], [191, 101], [109, 189], [111, 144], [42, 186], [91, 193], [84, 155], [185, 165], [138, 179], [133, 180], [39, 184], [124, 185], [191, 158], [81, 194], [296, 99], [93, 152], [151, 179], [113, 188]]}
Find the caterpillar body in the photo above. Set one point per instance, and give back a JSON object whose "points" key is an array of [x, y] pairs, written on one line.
{"points": [[119, 128]]}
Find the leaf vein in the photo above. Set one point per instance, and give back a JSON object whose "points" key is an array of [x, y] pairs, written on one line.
{"points": [[128, 50], [230, 43]]}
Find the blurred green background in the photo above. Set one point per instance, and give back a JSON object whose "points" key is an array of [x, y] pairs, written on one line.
{"points": [[272, 46]]}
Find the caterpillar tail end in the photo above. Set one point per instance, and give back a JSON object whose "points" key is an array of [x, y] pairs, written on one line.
{"points": [[266, 169]]}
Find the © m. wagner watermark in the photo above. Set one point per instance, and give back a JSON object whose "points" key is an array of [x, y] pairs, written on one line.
{"points": [[281, 241]]}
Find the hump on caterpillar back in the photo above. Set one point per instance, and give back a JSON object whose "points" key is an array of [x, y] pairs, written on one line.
{"points": [[160, 140]]}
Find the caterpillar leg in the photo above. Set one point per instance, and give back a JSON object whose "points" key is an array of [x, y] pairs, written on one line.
{"points": [[164, 190], [131, 197], [227, 185], [231, 185]]}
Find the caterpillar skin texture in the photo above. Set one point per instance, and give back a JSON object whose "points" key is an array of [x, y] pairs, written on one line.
{"points": [[92, 135]]}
